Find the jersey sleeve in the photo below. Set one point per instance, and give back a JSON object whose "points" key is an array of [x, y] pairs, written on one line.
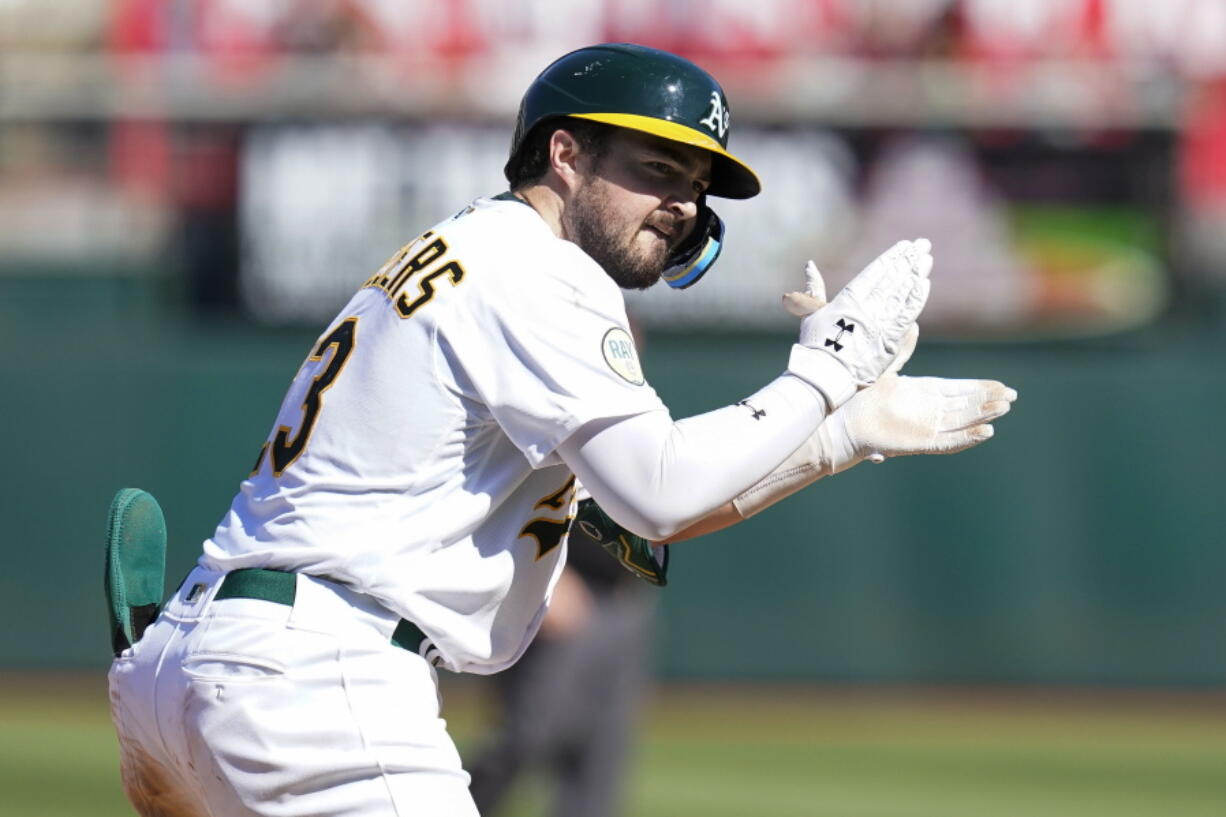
{"points": [[548, 349]]}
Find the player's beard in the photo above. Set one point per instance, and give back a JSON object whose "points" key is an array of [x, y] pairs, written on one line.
{"points": [[590, 224]]}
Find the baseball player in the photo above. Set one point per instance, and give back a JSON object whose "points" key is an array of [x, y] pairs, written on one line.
{"points": [[410, 505]]}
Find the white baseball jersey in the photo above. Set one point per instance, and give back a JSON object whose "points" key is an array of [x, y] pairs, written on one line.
{"points": [[413, 456]]}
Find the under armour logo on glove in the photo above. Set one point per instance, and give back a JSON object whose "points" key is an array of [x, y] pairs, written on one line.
{"points": [[844, 327], [757, 413], [848, 344]]}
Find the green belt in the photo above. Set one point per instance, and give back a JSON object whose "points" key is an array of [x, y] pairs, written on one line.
{"points": [[281, 587]]}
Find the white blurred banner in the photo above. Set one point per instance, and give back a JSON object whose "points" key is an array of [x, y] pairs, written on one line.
{"points": [[322, 206]]}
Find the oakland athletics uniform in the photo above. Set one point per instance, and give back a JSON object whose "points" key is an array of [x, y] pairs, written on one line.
{"points": [[409, 477], [433, 405], [410, 506]]}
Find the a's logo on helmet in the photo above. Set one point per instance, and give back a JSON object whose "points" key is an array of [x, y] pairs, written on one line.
{"points": [[719, 118]]}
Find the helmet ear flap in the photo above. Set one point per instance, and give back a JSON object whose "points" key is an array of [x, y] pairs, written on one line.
{"points": [[691, 259]]}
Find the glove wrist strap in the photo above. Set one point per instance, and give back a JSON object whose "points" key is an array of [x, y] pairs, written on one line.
{"points": [[824, 373], [838, 444]]}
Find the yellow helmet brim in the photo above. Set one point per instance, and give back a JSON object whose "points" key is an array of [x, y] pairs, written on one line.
{"points": [[731, 178]]}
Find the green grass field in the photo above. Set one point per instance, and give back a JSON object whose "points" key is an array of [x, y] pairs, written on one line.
{"points": [[767, 752]]}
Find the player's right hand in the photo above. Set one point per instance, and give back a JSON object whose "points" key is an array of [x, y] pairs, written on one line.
{"points": [[895, 417], [900, 416], [854, 339]]}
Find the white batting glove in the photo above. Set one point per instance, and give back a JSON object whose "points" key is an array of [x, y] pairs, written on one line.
{"points": [[897, 416], [892, 412], [900, 415], [803, 304], [854, 340]]}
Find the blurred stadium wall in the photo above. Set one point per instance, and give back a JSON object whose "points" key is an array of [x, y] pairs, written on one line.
{"points": [[189, 189]]}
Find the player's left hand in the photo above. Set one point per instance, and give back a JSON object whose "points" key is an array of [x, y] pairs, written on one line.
{"points": [[804, 304], [854, 340], [898, 416], [895, 416]]}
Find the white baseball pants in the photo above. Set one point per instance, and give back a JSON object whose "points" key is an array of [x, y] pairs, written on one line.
{"points": [[249, 708]]}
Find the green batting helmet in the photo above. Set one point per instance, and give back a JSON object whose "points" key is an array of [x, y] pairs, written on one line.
{"points": [[644, 89]]}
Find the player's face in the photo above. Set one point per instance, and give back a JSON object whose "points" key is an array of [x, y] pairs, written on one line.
{"points": [[636, 203]]}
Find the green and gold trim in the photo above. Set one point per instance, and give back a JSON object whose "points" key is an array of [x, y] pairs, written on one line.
{"points": [[744, 182]]}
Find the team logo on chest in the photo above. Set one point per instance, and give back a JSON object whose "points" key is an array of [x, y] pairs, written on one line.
{"points": [[548, 531], [718, 118]]}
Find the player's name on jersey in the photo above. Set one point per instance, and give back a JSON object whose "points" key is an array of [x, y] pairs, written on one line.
{"points": [[422, 262]]}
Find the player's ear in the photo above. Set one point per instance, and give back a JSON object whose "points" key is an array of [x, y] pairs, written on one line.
{"points": [[564, 157]]}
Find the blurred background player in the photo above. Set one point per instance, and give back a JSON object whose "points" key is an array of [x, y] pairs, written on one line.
{"points": [[569, 710]]}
